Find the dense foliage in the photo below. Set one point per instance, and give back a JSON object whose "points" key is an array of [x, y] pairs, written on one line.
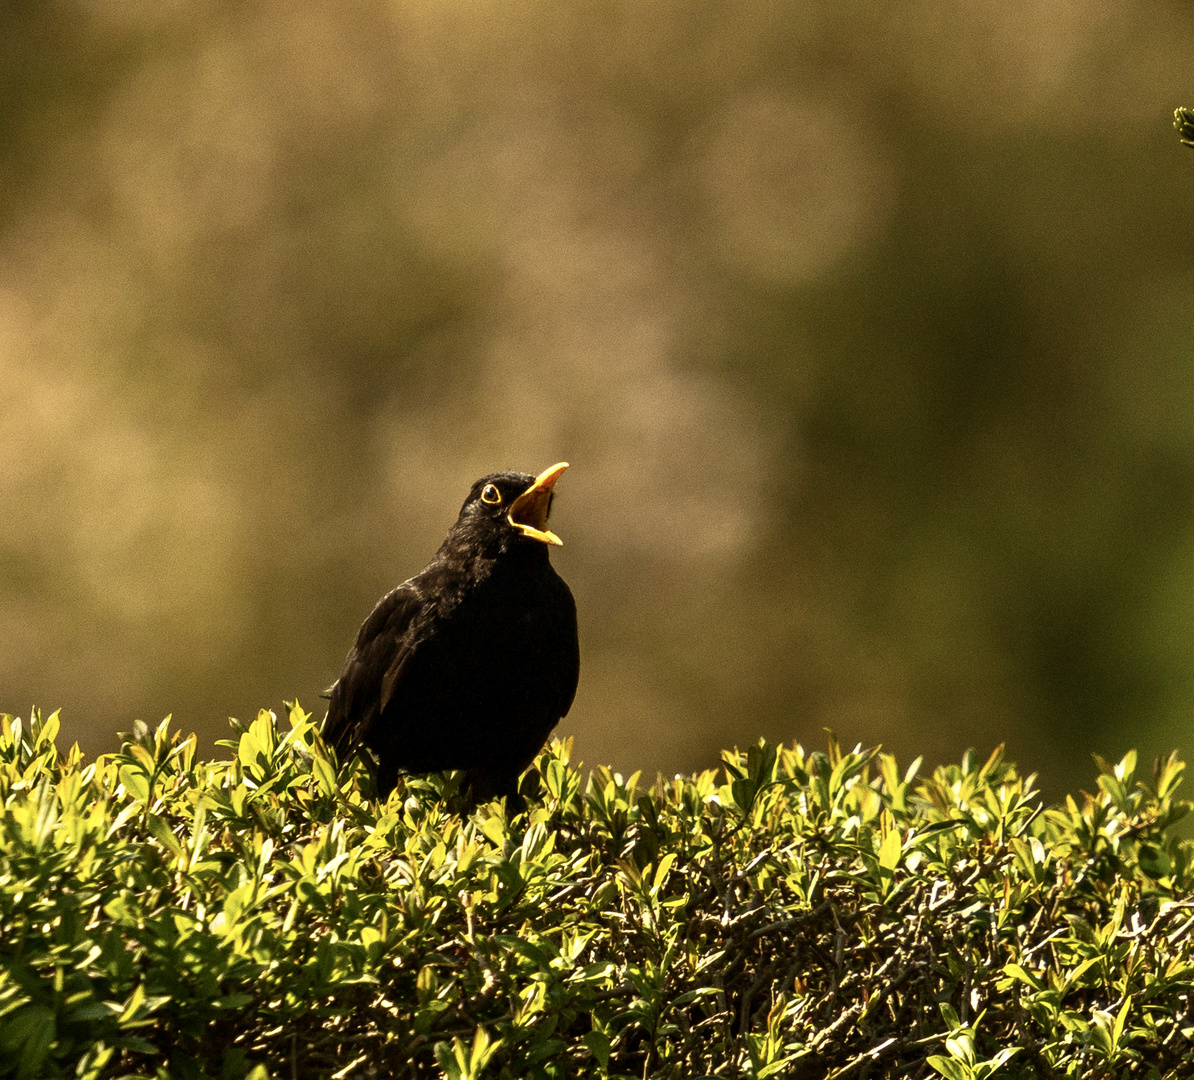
{"points": [[801, 914]]}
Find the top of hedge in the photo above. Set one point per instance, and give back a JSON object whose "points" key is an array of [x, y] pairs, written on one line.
{"points": [[819, 914]]}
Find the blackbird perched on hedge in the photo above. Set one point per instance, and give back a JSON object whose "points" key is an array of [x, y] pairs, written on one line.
{"points": [[471, 663]]}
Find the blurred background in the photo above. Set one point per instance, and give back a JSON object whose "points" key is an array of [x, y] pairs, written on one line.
{"points": [[866, 329]]}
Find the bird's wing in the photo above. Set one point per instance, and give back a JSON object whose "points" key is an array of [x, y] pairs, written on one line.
{"points": [[383, 648]]}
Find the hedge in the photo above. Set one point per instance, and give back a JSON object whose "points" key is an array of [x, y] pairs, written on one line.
{"points": [[797, 914]]}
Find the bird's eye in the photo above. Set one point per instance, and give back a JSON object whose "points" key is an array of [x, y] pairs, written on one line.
{"points": [[491, 495]]}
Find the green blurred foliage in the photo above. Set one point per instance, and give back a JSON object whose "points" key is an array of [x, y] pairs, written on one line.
{"points": [[795, 913], [861, 326]]}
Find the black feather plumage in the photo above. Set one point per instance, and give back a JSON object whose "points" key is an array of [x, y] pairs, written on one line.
{"points": [[470, 663]]}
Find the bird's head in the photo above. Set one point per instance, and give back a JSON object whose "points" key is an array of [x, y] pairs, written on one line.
{"points": [[514, 504]]}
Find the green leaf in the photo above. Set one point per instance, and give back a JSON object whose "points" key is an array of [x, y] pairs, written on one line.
{"points": [[136, 782], [598, 1043], [1153, 861], [950, 1068], [1015, 971], [949, 1016], [662, 871], [143, 758], [495, 828], [48, 732], [27, 1034], [164, 836], [890, 850], [325, 776], [1183, 120], [1118, 1029]]}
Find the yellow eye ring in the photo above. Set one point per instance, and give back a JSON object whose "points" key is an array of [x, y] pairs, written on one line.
{"points": [[491, 495]]}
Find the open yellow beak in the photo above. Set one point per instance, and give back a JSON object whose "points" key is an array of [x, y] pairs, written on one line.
{"points": [[528, 513]]}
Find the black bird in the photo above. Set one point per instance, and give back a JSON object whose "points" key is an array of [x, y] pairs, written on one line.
{"points": [[471, 663]]}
